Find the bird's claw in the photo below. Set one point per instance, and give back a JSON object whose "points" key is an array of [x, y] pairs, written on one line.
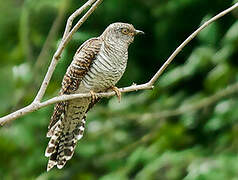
{"points": [[118, 92], [93, 96]]}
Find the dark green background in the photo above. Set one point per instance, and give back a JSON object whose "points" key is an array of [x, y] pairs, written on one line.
{"points": [[182, 129]]}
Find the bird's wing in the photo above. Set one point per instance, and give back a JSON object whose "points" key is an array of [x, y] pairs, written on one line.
{"points": [[80, 65]]}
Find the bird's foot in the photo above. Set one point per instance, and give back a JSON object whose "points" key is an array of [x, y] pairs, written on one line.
{"points": [[118, 92], [93, 96]]}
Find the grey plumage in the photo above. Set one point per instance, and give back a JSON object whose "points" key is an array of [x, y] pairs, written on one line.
{"points": [[98, 65]]}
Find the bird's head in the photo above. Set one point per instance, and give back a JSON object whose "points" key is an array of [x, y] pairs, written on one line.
{"points": [[120, 33]]}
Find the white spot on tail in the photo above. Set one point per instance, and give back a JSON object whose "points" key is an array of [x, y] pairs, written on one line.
{"points": [[47, 154], [52, 129], [78, 137], [60, 166], [50, 165], [81, 128]]}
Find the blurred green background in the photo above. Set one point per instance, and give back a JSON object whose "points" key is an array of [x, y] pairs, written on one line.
{"points": [[185, 128]]}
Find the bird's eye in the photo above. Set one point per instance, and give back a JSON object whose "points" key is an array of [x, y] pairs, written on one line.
{"points": [[125, 31]]}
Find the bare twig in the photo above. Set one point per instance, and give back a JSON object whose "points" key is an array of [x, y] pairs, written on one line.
{"points": [[41, 61], [163, 115], [36, 104], [194, 34], [51, 36], [62, 45], [191, 107], [74, 15]]}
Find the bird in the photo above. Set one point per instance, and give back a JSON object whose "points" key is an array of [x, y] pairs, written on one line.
{"points": [[97, 66]]}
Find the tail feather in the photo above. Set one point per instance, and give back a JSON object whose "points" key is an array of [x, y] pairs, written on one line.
{"points": [[62, 144], [78, 131], [54, 141]]}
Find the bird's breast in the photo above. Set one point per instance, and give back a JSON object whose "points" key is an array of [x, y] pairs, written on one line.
{"points": [[106, 70]]}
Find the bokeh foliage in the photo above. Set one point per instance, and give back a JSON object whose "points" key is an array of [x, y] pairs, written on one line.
{"points": [[182, 129]]}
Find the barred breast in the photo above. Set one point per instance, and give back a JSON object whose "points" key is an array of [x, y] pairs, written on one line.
{"points": [[106, 70]]}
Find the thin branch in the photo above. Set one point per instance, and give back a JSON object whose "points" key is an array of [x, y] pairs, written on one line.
{"points": [[163, 115], [62, 45], [191, 107], [68, 35], [74, 15], [37, 105], [194, 34], [51, 36], [41, 61]]}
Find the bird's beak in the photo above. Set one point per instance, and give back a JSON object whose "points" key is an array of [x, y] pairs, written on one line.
{"points": [[139, 32]]}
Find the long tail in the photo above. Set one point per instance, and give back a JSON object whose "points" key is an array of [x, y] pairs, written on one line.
{"points": [[62, 144]]}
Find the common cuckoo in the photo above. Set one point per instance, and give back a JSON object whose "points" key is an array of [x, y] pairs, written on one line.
{"points": [[97, 66]]}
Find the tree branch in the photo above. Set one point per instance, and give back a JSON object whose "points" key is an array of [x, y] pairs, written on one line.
{"points": [[194, 34], [41, 61], [66, 38], [184, 108], [42, 57], [163, 115], [36, 104]]}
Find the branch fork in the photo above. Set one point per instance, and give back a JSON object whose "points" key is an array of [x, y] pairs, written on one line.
{"points": [[68, 33]]}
